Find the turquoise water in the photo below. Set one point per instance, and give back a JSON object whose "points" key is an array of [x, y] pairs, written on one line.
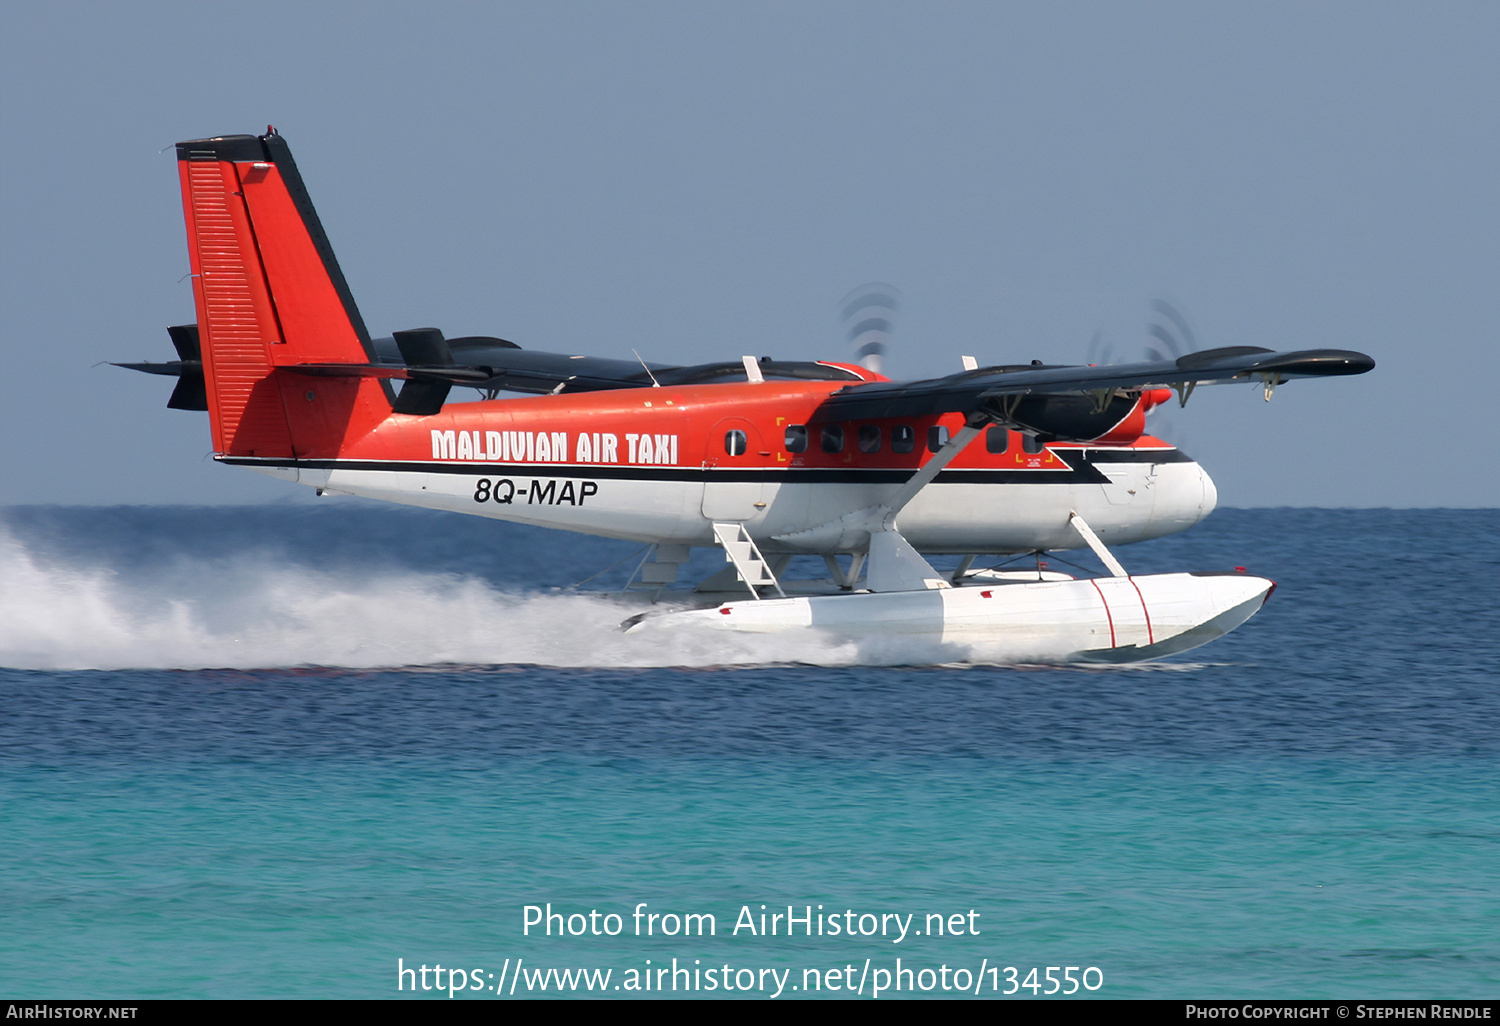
{"points": [[1308, 808]]}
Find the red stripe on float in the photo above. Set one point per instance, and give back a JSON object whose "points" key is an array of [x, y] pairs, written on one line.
{"points": [[1150, 637], [1108, 615]]}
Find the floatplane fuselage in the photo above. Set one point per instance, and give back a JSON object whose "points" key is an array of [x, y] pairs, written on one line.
{"points": [[762, 459], [666, 464]]}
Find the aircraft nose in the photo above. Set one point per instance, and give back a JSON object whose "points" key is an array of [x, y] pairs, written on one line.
{"points": [[1185, 495], [1210, 494]]}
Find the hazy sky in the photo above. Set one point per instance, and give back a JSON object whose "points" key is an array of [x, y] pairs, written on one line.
{"points": [[701, 180]]}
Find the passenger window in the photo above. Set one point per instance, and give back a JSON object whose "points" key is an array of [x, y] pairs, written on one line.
{"points": [[796, 438], [937, 437], [833, 438], [1031, 443], [997, 439], [903, 438], [869, 438], [734, 443]]}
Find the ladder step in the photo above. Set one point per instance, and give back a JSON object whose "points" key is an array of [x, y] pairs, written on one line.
{"points": [[749, 564]]}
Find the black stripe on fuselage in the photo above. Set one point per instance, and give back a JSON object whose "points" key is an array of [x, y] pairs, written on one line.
{"points": [[1080, 472], [1130, 455]]}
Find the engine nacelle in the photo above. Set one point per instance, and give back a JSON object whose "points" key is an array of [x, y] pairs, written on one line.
{"points": [[1079, 418]]}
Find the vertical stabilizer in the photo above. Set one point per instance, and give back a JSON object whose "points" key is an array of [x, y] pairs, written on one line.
{"points": [[270, 295]]}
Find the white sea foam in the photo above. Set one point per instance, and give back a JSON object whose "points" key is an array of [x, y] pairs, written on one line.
{"points": [[253, 611]]}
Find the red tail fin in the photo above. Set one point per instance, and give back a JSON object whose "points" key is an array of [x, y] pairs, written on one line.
{"points": [[270, 295]]}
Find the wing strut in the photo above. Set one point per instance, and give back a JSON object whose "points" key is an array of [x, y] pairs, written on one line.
{"points": [[923, 477], [893, 564]]}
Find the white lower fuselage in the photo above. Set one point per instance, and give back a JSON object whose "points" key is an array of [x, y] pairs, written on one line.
{"points": [[1131, 494]]}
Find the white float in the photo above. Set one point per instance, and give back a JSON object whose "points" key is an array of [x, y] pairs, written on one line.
{"points": [[1108, 619]]}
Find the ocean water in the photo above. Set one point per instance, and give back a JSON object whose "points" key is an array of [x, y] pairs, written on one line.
{"points": [[289, 751]]}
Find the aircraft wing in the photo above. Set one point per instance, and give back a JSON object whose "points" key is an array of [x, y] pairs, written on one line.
{"points": [[995, 391]]}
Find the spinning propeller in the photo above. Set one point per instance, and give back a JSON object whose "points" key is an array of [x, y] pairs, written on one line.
{"points": [[1169, 337], [869, 313]]}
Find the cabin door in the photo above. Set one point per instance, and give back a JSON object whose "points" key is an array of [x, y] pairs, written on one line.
{"points": [[736, 487]]}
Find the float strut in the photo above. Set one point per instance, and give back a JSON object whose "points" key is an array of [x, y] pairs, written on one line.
{"points": [[1087, 533]]}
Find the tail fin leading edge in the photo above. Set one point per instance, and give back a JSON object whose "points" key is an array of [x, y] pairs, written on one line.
{"points": [[270, 294]]}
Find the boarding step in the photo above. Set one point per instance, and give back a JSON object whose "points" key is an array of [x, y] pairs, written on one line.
{"points": [[661, 569], [739, 549]]}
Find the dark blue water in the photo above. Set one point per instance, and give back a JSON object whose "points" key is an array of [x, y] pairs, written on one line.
{"points": [[212, 782]]}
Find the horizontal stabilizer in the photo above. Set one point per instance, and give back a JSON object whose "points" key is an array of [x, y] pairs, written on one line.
{"points": [[429, 371], [452, 375], [498, 365]]}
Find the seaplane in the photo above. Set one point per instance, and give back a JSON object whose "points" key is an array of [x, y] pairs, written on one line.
{"points": [[762, 459]]}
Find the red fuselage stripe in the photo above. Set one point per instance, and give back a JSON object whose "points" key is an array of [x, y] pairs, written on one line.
{"points": [[725, 426]]}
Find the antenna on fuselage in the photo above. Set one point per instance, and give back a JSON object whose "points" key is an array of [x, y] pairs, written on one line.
{"points": [[654, 382]]}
